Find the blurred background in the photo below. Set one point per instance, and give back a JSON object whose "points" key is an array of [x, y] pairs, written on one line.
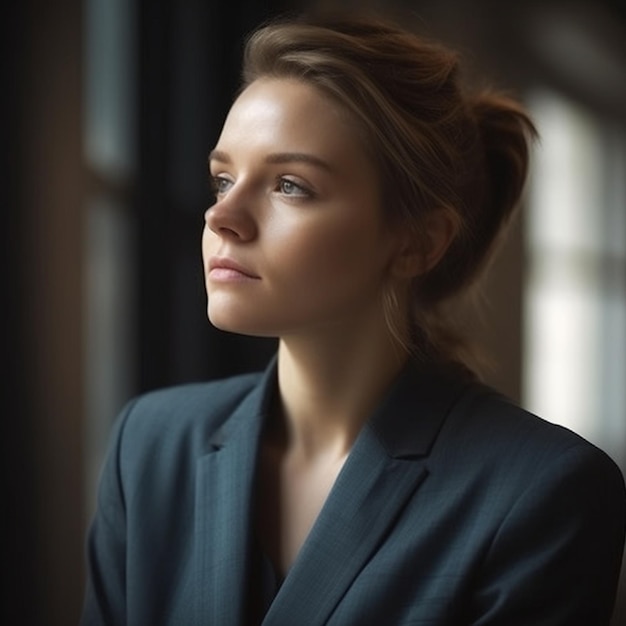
{"points": [[111, 108]]}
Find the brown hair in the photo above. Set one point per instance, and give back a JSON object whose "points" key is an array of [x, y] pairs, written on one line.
{"points": [[436, 147]]}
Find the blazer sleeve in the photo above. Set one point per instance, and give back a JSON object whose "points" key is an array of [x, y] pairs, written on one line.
{"points": [[105, 596], [555, 559]]}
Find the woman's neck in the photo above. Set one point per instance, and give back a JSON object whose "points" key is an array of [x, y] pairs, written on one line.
{"points": [[329, 386]]}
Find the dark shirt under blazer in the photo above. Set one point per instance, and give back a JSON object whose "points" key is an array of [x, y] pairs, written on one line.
{"points": [[454, 507]]}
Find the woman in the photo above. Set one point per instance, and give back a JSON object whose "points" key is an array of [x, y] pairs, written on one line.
{"points": [[366, 477]]}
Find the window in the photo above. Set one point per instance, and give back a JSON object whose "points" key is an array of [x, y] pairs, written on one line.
{"points": [[575, 292]]}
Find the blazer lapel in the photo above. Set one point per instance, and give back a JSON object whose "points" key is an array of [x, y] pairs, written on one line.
{"points": [[384, 469], [367, 496], [224, 509]]}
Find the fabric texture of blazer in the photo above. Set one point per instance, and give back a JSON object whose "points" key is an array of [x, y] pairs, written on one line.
{"points": [[454, 507]]}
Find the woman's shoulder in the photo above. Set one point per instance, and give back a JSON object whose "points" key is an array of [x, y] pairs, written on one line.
{"points": [[485, 424], [188, 401], [183, 418], [159, 439], [501, 420]]}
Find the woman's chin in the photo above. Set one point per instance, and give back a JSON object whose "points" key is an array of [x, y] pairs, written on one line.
{"points": [[231, 323]]}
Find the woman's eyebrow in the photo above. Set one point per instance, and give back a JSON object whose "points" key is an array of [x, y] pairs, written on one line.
{"points": [[278, 157], [298, 157], [218, 155]]}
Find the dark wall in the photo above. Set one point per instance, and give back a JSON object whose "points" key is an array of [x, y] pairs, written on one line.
{"points": [[43, 412], [189, 60]]}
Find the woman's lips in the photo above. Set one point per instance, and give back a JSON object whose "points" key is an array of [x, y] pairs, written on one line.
{"points": [[227, 270]]}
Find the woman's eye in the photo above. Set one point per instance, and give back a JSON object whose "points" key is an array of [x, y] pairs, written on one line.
{"points": [[220, 184], [288, 187]]}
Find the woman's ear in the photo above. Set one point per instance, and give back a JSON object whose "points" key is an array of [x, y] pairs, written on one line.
{"points": [[418, 254]]}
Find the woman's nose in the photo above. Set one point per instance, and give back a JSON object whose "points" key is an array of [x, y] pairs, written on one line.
{"points": [[230, 218]]}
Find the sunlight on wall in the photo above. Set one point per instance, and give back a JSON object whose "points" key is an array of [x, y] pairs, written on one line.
{"points": [[575, 307]]}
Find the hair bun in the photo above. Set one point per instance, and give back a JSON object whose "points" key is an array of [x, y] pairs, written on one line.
{"points": [[506, 131]]}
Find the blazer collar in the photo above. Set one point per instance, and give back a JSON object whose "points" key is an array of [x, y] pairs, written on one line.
{"points": [[224, 509], [386, 465], [410, 416], [406, 421], [385, 468]]}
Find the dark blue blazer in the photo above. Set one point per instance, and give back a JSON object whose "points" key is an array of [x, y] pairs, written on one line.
{"points": [[454, 507]]}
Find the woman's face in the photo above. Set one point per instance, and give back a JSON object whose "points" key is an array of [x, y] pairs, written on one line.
{"points": [[296, 242]]}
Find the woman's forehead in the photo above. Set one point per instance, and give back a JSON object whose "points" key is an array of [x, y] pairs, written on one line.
{"points": [[284, 114]]}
